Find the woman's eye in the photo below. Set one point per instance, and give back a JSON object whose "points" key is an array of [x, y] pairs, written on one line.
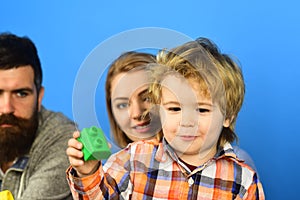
{"points": [[122, 105], [146, 99]]}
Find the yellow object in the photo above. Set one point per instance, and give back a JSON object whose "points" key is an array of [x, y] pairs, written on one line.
{"points": [[6, 195]]}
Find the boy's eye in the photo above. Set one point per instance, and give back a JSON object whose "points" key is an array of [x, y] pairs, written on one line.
{"points": [[174, 109], [203, 110]]}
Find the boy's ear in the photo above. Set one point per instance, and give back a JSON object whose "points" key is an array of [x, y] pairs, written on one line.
{"points": [[228, 121]]}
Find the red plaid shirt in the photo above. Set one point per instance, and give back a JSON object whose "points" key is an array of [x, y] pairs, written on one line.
{"points": [[151, 170]]}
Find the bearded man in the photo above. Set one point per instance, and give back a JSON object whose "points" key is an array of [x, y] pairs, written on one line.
{"points": [[32, 139]]}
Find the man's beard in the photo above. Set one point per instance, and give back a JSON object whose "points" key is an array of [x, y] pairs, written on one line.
{"points": [[16, 141]]}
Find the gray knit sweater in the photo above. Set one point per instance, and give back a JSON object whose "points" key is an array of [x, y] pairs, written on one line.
{"points": [[41, 174]]}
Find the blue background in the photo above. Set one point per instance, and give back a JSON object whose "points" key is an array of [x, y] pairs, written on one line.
{"points": [[264, 35]]}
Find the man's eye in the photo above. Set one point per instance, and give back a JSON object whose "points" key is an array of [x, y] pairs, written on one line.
{"points": [[22, 94], [122, 105], [174, 109], [203, 110]]}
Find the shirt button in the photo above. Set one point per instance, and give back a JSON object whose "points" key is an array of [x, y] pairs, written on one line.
{"points": [[191, 181]]}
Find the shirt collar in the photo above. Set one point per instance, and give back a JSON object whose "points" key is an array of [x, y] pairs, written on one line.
{"points": [[165, 150], [20, 163], [226, 151]]}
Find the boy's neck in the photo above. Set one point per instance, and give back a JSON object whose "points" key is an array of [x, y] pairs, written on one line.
{"points": [[199, 158], [191, 167]]}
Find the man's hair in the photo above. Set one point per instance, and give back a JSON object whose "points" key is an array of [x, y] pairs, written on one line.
{"points": [[18, 51]]}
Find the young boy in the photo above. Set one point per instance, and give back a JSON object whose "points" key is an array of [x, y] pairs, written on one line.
{"points": [[199, 92]]}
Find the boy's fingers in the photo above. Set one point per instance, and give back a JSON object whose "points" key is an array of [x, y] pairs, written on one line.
{"points": [[75, 162], [76, 134], [72, 152], [74, 143]]}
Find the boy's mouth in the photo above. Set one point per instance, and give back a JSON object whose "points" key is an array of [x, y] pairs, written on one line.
{"points": [[187, 137]]}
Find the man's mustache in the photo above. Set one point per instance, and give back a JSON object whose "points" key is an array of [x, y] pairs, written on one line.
{"points": [[11, 119]]}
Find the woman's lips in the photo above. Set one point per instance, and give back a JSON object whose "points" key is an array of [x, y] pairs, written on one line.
{"points": [[142, 127]]}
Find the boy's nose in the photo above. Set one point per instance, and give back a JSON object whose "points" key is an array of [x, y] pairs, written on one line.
{"points": [[188, 119], [187, 123]]}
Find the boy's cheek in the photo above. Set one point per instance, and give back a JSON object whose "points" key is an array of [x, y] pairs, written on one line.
{"points": [[170, 130], [162, 116]]}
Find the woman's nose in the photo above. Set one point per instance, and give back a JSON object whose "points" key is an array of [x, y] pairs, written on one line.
{"points": [[137, 110]]}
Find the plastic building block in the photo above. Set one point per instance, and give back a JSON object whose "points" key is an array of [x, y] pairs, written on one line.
{"points": [[95, 146], [6, 195]]}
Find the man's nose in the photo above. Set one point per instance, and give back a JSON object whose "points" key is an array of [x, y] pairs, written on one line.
{"points": [[6, 104]]}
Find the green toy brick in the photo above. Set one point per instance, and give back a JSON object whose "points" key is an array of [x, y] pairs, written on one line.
{"points": [[95, 146]]}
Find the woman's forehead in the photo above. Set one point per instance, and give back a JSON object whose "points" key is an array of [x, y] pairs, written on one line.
{"points": [[128, 83]]}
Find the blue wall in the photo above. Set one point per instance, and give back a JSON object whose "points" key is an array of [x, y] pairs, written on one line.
{"points": [[264, 35]]}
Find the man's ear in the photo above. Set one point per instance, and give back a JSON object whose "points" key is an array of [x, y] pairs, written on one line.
{"points": [[40, 97], [228, 121]]}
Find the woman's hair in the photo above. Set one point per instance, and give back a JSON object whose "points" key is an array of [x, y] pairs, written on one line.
{"points": [[219, 78], [126, 62]]}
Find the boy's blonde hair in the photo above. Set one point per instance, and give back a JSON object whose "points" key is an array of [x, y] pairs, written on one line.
{"points": [[219, 77]]}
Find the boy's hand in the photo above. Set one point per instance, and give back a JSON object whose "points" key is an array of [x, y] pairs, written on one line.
{"points": [[75, 156]]}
